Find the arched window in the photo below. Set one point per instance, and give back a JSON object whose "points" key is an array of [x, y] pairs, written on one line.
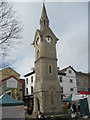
{"points": [[52, 98], [50, 69], [37, 104]]}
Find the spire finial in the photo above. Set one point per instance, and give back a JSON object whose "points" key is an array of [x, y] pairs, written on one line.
{"points": [[44, 21], [44, 2], [44, 13]]}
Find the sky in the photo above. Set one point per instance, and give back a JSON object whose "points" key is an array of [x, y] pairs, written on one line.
{"points": [[69, 22]]}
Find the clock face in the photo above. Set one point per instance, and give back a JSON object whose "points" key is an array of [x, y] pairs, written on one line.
{"points": [[38, 41], [48, 39]]}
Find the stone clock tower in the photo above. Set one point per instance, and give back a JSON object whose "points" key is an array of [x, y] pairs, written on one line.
{"points": [[47, 87]]}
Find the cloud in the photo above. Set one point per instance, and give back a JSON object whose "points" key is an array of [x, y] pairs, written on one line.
{"points": [[23, 66], [69, 21]]}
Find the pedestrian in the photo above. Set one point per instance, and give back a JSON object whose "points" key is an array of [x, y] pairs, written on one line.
{"points": [[74, 107], [69, 108], [74, 111], [40, 116]]}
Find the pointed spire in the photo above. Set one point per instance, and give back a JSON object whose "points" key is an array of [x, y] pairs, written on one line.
{"points": [[44, 13], [44, 21]]}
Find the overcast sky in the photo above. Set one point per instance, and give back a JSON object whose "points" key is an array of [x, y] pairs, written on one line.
{"points": [[68, 20]]}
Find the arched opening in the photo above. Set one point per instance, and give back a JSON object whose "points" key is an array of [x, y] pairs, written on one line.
{"points": [[50, 69], [52, 98], [38, 105]]}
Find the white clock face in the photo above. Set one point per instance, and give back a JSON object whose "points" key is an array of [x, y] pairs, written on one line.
{"points": [[38, 41], [48, 39]]}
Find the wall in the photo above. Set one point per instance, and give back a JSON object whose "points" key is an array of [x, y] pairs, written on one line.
{"points": [[29, 84], [82, 81], [66, 84]]}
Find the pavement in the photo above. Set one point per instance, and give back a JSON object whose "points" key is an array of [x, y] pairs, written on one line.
{"points": [[58, 117]]}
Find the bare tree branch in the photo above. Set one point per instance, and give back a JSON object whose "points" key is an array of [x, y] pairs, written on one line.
{"points": [[10, 30]]}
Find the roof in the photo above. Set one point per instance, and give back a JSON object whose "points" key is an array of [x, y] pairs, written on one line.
{"points": [[29, 74], [77, 72], [61, 72], [10, 69], [37, 32], [6, 100], [81, 73], [69, 67]]}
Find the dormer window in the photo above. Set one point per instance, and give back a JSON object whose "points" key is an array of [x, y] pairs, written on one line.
{"points": [[71, 81], [70, 71]]}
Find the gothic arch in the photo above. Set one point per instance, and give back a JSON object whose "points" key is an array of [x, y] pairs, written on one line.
{"points": [[38, 104], [52, 95]]}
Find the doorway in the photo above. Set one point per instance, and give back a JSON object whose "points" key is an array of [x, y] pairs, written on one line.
{"points": [[38, 105]]}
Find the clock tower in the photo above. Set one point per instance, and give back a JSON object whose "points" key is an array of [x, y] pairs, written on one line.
{"points": [[47, 88]]}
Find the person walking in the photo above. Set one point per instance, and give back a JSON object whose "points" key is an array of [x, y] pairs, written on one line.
{"points": [[40, 116], [74, 107]]}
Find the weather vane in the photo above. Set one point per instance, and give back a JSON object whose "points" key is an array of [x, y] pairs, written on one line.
{"points": [[44, 1]]}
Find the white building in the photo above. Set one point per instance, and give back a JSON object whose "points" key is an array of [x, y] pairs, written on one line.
{"points": [[29, 82], [66, 77], [68, 81]]}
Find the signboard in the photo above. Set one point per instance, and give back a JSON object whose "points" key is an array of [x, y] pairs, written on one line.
{"points": [[12, 83]]}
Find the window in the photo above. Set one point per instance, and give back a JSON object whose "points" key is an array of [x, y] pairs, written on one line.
{"points": [[18, 98], [77, 80], [31, 79], [27, 91], [44, 23], [70, 71], [86, 88], [61, 79], [50, 69], [31, 90], [84, 80], [78, 88], [27, 80], [71, 80], [61, 89], [71, 89]]}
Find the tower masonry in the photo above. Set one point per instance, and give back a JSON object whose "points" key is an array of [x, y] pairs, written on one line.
{"points": [[47, 88]]}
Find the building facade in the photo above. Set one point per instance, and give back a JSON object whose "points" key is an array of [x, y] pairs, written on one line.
{"points": [[10, 83], [29, 82], [71, 81], [82, 81], [68, 81]]}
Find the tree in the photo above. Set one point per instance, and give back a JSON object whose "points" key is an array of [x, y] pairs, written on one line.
{"points": [[10, 32]]}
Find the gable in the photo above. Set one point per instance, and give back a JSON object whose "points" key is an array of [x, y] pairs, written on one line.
{"points": [[7, 72], [38, 33], [11, 82], [47, 32]]}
